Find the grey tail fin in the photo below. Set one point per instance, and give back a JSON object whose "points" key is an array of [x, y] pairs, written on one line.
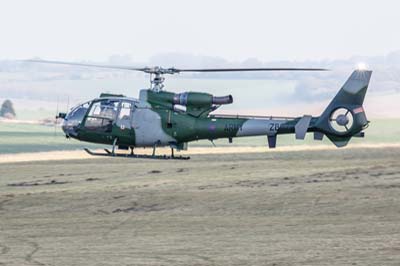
{"points": [[345, 117]]}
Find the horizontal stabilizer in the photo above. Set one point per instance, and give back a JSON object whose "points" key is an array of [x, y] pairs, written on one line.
{"points": [[359, 135], [318, 135], [302, 126]]}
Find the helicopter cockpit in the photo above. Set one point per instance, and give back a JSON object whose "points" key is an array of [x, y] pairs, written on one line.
{"points": [[99, 116]]}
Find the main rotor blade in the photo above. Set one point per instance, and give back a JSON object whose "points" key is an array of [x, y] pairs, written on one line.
{"points": [[144, 69], [160, 70], [249, 69]]}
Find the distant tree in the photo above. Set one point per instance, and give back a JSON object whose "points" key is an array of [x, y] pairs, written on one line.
{"points": [[7, 110]]}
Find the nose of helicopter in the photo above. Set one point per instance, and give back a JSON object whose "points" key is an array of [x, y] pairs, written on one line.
{"points": [[69, 129], [73, 119], [68, 126], [65, 127]]}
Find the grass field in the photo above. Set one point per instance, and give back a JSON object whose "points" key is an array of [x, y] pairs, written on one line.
{"points": [[339, 207], [17, 138]]}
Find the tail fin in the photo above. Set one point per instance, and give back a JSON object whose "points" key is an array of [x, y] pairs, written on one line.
{"points": [[345, 117]]}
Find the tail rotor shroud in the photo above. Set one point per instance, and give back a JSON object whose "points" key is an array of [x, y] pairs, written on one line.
{"points": [[341, 120]]}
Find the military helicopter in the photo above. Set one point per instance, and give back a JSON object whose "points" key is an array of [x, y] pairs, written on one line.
{"points": [[161, 118]]}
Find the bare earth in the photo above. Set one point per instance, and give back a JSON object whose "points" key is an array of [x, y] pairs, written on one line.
{"points": [[80, 154], [303, 207]]}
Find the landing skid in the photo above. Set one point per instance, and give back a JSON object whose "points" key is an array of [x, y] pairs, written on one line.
{"points": [[142, 156]]}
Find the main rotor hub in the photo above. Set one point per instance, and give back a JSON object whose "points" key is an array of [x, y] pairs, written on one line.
{"points": [[160, 70], [156, 82]]}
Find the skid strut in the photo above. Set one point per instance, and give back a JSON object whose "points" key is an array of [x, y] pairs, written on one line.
{"points": [[109, 153], [113, 147]]}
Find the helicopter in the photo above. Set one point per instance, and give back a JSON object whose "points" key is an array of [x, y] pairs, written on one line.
{"points": [[159, 118]]}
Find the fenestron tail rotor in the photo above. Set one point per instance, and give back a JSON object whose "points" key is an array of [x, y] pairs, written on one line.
{"points": [[341, 120], [158, 72]]}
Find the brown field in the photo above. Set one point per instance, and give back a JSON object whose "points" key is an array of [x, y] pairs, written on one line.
{"points": [[304, 207]]}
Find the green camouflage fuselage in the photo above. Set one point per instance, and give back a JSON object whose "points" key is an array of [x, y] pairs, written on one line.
{"points": [[156, 123]]}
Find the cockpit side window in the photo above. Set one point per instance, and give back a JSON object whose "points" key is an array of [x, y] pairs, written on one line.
{"points": [[101, 115], [125, 115]]}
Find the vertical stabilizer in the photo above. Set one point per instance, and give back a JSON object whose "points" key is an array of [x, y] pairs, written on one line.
{"points": [[345, 116]]}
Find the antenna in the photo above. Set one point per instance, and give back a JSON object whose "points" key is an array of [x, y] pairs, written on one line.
{"points": [[56, 119]]}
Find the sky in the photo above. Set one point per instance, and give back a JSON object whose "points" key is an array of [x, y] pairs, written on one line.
{"points": [[235, 30]]}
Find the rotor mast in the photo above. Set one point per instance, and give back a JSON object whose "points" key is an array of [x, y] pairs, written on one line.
{"points": [[157, 78]]}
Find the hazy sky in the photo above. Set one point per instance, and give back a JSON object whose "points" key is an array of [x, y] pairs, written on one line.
{"points": [[235, 30]]}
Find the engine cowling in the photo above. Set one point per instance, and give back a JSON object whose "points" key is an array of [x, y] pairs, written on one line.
{"points": [[200, 99], [193, 103]]}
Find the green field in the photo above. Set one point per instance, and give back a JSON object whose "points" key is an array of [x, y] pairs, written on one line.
{"points": [[17, 138]]}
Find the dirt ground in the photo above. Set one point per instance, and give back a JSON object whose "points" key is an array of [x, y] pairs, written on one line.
{"points": [[80, 154], [305, 207]]}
